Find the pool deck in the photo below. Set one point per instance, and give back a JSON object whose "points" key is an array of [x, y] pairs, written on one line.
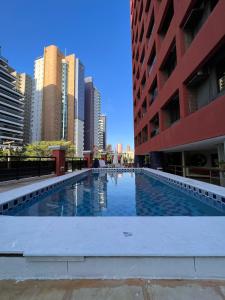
{"points": [[110, 247]]}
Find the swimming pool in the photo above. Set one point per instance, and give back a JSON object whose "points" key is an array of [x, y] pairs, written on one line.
{"points": [[111, 193]]}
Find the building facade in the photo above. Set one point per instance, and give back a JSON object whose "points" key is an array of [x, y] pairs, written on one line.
{"points": [[58, 98], [11, 107], [92, 115], [178, 57], [37, 99], [24, 86]]}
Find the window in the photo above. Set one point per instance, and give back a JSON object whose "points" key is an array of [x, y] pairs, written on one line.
{"points": [[152, 59], [150, 26], [144, 108], [147, 5], [198, 14], [144, 134], [142, 56], [154, 126], [153, 92], [141, 11], [208, 82], [167, 18], [142, 33], [172, 110], [220, 72], [138, 74], [170, 62], [143, 82]]}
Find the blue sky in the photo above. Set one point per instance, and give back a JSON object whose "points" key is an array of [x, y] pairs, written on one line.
{"points": [[97, 31]]}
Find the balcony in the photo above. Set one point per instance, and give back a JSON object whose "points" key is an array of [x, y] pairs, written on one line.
{"points": [[10, 120], [11, 91], [4, 102], [11, 128], [9, 96], [7, 74]]}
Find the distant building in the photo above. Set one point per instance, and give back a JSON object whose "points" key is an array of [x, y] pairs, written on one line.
{"points": [[92, 115], [24, 86], [102, 134], [11, 106], [119, 148], [128, 148], [58, 98]]}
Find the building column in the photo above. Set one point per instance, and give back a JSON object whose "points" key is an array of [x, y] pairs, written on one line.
{"points": [[59, 153], [221, 158], [183, 164]]}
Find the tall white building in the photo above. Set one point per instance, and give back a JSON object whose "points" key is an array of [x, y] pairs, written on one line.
{"points": [[37, 99], [79, 109]]}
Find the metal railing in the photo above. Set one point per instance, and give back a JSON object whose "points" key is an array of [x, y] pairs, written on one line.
{"points": [[17, 167], [211, 175], [75, 163]]}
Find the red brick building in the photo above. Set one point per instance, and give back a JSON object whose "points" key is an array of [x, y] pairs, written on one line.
{"points": [[178, 57]]}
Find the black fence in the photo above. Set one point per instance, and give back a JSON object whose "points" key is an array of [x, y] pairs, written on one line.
{"points": [[74, 163], [17, 167]]}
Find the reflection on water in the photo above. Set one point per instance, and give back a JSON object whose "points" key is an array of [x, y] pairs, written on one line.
{"points": [[118, 194]]}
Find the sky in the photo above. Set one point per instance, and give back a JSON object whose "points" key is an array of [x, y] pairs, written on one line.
{"points": [[97, 31]]}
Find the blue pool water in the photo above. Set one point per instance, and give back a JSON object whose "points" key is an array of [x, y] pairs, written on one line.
{"points": [[119, 194]]}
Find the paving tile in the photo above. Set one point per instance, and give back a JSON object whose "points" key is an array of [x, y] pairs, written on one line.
{"points": [[115, 293], [190, 292], [50, 293]]}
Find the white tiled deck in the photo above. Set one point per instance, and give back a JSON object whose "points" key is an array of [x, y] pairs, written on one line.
{"points": [[110, 247]]}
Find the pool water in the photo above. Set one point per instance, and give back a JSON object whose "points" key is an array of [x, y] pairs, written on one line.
{"points": [[119, 194]]}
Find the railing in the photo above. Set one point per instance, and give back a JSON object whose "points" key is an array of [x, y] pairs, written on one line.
{"points": [[211, 175], [17, 167], [74, 163]]}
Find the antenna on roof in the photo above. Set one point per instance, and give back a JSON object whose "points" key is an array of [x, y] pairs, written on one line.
{"points": [[65, 51], [0, 50]]}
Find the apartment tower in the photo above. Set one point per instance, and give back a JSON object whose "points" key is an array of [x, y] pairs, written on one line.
{"points": [[92, 115], [11, 107], [178, 57], [24, 86], [58, 98]]}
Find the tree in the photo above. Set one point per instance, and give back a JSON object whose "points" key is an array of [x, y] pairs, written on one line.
{"points": [[41, 148]]}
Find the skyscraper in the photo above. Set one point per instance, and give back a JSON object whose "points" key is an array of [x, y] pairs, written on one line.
{"points": [[11, 106], [58, 98], [178, 50], [92, 115], [24, 86]]}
